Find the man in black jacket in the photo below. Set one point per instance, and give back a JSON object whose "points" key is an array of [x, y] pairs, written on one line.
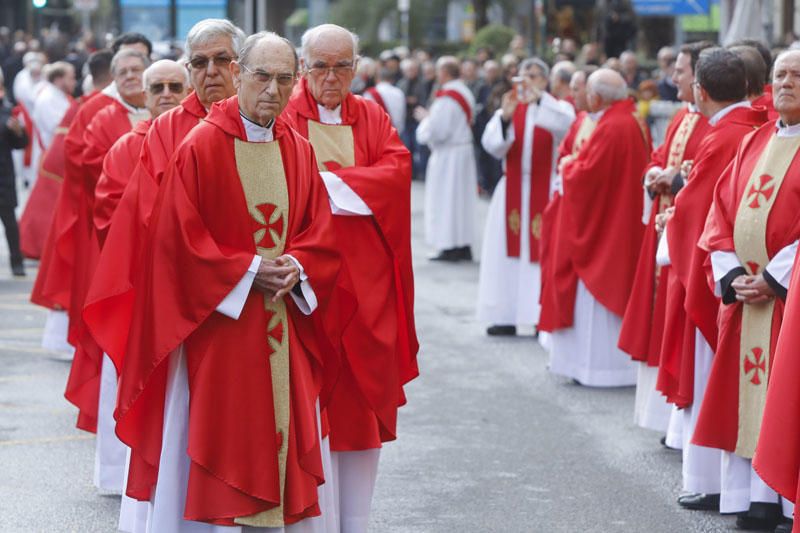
{"points": [[12, 137]]}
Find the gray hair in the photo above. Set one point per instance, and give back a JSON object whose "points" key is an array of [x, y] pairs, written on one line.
{"points": [[253, 40], [535, 61], [607, 91], [312, 34], [149, 71], [208, 29], [563, 71], [127, 52]]}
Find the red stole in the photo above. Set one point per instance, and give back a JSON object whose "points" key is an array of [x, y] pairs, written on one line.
{"points": [[460, 100], [30, 130], [541, 169], [375, 95]]}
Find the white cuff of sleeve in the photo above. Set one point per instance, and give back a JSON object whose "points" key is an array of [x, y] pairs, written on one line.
{"points": [[780, 267], [722, 262], [234, 302], [662, 252], [647, 207], [308, 302], [344, 200]]}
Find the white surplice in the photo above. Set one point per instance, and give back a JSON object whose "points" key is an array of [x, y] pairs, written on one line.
{"points": [[451, 179], [395, 102], [509, 287]]}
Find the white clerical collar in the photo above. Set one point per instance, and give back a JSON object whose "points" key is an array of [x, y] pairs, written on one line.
{"points": [[693, 108], [257, 133], [787, 131], [716, 117], [597, 115], [330, 116]]}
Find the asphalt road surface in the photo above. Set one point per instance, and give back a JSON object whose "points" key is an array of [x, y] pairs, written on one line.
{"points": [[489, 440]]}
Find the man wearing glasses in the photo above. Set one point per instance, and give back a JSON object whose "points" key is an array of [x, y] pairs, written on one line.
{"points": [[219, 388], [367, 172]]}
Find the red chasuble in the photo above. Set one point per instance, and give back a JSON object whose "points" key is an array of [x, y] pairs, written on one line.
{"points": [[603, 203], [109, 301], [753, 214], [380, 342], [559, 281], [777, 458], [253, 381], [643, 323], [83, 384], [541, 170], [37, 217], [53, 285], [118, 166], [766, 101], [690, 301]]}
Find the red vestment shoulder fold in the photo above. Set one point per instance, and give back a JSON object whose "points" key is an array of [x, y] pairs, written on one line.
{"points": [[53, 284], [603, 204], [197, 250], [37, 217], [118, 166], [643, 322], [109, 301], [718, 422], [692, 299], [380, 342]]}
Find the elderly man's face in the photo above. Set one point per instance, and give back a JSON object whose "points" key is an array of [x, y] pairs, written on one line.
{"points": [[265, 83], [534, 78], [166, 87], [786, 87], [330, 68], [209, 70], [128, 77], [577, 87], [683, 76]]}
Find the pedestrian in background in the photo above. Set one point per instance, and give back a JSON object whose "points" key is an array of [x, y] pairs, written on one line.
{"points": [[12, 136]]}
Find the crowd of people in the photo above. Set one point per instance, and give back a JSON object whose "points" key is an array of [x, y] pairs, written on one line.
{"points": [[224, 245]]}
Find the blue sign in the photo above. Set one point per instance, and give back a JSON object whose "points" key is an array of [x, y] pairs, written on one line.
{"points": [[671, 7]]}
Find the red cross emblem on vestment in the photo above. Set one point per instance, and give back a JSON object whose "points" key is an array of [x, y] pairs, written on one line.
{"points": [[274, 331], [269, 225], [762, 188], [755, 364]]}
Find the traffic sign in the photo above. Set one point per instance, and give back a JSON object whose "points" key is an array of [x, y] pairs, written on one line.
{"points": [[671, 7]]}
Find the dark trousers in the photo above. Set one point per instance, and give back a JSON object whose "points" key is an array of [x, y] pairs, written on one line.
{"points": [[9, 220]]}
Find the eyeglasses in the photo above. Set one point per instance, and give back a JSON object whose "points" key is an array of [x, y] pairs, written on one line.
{"points": [[174, 87], [265, 78], [339, 71], [201, 62]]}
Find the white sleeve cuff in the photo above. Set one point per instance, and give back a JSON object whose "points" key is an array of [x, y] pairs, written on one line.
{"points": [[344, 200], [234, 302], [647, 207], [662, 252], [722, 262], [308, 302], [780, 267]]}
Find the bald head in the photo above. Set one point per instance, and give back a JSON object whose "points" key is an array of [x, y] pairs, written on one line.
{"points": [[166, 83], [604, 87], [754, 67], [329, 37], [330, 55], [786, 87]]}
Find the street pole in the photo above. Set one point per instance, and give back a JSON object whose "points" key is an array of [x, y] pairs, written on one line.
{"points": [[403, 6]]}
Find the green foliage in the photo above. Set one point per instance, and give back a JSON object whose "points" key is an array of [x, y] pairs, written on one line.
{"points": [[495, 36]]}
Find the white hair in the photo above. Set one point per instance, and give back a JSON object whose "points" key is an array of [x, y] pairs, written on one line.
{"points": [[163, 62], [208, 29], [609, 92], [535, 61], [127, 52], [312, 34]]}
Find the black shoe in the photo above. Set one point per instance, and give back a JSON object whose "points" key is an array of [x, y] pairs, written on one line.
{"points": [[785, 527], [451, 256], [761, 516], [501, 330], [18, 270], [699, 502], [464, 253]]}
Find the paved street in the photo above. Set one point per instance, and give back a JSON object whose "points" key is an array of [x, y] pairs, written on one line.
{"points": [[489, 441]]}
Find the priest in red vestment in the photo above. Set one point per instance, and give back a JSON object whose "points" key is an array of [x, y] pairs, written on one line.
{"points": [[367, 172], [761, 98], [52, 286], [559, 281], [751, 234], [602, 205], [643, 322], [108, 125], [690, 333], [219, 386]]}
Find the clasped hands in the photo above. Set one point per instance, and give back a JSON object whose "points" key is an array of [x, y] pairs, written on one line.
{"points": [[752, 289], [276, 278], [659, 181]]}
